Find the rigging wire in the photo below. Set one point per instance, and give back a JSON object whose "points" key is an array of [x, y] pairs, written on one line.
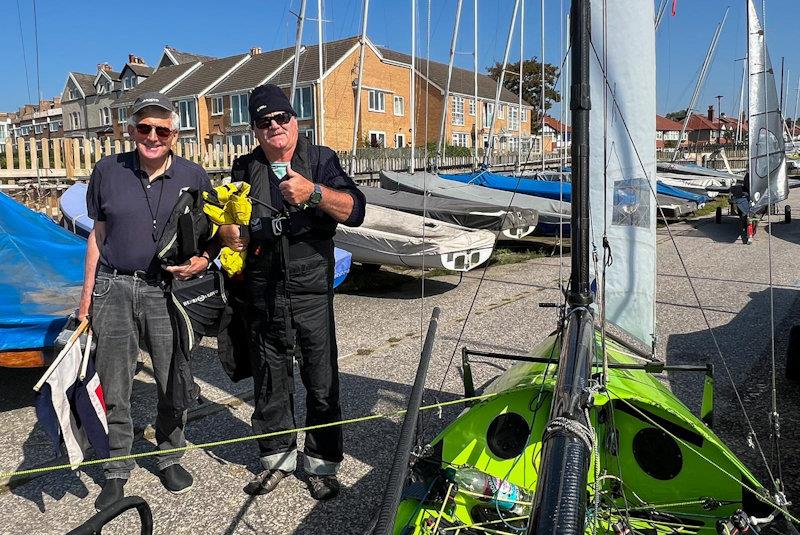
{"points": [[24, 55]]}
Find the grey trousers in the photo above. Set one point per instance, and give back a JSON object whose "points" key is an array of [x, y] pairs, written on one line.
{"points": [[128, 312]]}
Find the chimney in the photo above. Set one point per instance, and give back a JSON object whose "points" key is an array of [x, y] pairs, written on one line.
{"points": [[104, 67], [133, 59], [711, 113], [57, 101], [255, 51]]}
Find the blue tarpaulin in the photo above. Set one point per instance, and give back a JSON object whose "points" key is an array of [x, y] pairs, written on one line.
{"points": [[41, 274], [548, 188]]}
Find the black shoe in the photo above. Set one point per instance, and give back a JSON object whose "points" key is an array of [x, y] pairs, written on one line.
{"points": [[176, 479], [112, 492], [323, 487], [265, 482]]}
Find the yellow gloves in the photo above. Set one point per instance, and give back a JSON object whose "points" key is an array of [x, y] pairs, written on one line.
{"points": [[225, 205]]}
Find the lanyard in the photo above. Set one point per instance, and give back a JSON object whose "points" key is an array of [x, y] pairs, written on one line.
{"points": [[150, 207]]}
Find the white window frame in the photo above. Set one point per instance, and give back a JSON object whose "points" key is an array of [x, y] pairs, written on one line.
{"points": [[399, 102], [217, 106], [187, 107], [472, 107], [244, 113], [377, 101], [378, 134], [246, 137], [37, 128], [105, 116], [122, 115], [297, 104], [488, 113], [457, 110], [397, 143], [460, 139], [523, 116], [309, 133], [74, 93], [513, 118], [76, 120], [501, 111]]}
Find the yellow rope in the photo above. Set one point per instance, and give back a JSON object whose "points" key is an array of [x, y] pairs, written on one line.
{"points": [[207, 445]]}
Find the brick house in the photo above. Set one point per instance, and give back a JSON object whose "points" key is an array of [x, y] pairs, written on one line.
{"points": [[5, 127], [556, 135], [39, 121], [78, 87], [668, 132]]}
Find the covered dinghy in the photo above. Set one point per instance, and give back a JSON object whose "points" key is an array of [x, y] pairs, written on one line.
{"points": [[41, 276], [397, 238], [513, 222]]}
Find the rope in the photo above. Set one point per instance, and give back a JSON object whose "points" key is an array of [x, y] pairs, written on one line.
{"points": [[236, 440], [561, 423]]}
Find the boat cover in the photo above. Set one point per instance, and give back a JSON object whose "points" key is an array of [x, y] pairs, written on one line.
{"points": [[672, 191], [458, 212], [40, 276], [549, 189], [688, 181], [694, 170], [393, 232]]}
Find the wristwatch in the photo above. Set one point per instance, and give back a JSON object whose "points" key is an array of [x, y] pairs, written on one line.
{"points": [[316, 196]]}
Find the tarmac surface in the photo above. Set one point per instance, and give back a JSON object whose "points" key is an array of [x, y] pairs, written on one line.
{"points": [[381, 319]]}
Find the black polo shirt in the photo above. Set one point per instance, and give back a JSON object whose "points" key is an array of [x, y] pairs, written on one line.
{"points": [[121, 195]]}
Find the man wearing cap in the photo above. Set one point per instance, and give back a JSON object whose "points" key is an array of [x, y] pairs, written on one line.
{"points": [[288, 278], [130, 197]]}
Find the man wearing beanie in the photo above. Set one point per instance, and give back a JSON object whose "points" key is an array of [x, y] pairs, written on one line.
{"points": [[288, 281]]}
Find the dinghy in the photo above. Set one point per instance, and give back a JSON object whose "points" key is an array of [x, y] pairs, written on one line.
{"points": [[514, 223], [400, 239]]}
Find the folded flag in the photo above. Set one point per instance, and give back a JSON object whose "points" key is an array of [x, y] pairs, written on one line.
{"points": [[72, 410]]}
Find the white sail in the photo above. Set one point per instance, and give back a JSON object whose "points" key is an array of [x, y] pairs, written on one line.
{"points": [[768, 181], [622, 162]]}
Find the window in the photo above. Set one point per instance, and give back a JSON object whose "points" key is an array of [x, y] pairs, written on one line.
{"points": [[458, 110], [399, 141], [239, 112], [399, 106], [377, 100], [488, 112], [240, 139], [309, 134], [105, 116], [501, 111], [187, 114], [302, 103], [377, 139], [122, 115], [524, 116], [73, 93], [129, 82], [460, 139], [76, 120], [54, 127], [472, 107], [37, 129], [513, 118], [216, 106]]}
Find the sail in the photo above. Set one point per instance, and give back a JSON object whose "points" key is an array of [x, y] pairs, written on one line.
{"points": [[768, 182], [622, 163]]}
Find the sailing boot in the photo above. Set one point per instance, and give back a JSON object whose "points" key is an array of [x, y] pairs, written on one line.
{"points": [[112, 492]]}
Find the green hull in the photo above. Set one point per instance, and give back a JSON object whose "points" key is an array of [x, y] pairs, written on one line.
{"points": [[678, 475]]}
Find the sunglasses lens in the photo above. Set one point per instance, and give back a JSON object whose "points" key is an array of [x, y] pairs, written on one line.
{"points": [[143, 129], [161, 131], [280, 119]]}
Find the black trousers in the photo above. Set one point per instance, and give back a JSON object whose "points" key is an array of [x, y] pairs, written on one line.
{"points": [[300, 324]]}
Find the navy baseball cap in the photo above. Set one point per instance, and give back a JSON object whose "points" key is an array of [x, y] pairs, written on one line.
{"points": [[152, 98]]}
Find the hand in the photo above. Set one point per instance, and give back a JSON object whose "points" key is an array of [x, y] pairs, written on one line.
{"points": [[83, 309], [230, 237], [295, 188], [190, 268]]}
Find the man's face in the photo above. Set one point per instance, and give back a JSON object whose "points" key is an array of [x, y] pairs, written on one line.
{"points": [[155, 143], [274, 136]]}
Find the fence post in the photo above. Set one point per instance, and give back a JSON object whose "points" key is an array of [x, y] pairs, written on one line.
{"points": [[87, 156], [9, 155], [57, 153], [69, 162], [21, 153]]}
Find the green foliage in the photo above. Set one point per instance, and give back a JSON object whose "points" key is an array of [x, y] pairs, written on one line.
{"points": [[678, 116], [531, 83]]}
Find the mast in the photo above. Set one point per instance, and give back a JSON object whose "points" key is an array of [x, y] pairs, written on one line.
{"points": [[297, 41], [411, 96], [794, 117], [362, 42], [476, 122], [321, 119], [660, 14], [521, 71], [701, 80], [453, 43], [541, 61], [559, 506], [500, 82]]}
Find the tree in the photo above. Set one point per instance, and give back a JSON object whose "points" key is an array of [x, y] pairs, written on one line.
{"points": [[531, 84], [677, 115]]}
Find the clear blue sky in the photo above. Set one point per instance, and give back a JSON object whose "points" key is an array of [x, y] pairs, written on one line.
{"points": [[80, 34]]}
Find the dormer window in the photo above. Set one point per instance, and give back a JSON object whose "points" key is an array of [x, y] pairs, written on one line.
{"points": [[73, 93], [129, 82]]}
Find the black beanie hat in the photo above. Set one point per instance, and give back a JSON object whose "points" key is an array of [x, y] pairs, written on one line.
{"points": [[267, 99]]}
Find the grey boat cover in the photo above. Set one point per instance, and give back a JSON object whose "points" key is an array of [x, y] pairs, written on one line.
{"points": [[393, 232], [458, 212], [550, 211], [694, 171]]}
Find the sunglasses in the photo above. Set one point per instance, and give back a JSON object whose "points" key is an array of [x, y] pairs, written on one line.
{"points": [[279, 118], [161, 131]]}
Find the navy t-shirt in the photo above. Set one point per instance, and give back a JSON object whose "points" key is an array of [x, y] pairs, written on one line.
{"points": [[121, 195]]}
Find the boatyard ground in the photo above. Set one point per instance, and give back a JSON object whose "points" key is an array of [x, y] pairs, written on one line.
{"points": [[380, 320]]}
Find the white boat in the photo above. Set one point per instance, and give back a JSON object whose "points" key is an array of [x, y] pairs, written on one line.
{"points": [[397, 238], [700, 186]]}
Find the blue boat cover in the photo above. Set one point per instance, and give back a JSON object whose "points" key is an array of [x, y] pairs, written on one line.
{"points": [[40, 276], [550, 189], [342, 261]]}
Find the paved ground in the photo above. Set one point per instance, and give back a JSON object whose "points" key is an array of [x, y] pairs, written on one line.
{"points": [[379, 324]]}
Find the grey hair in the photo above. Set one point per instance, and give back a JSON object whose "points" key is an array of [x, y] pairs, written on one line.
{"points": [[134, 119]]}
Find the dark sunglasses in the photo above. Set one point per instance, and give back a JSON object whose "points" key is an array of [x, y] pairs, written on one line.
{"points": [[161, 131], [280, 119]]}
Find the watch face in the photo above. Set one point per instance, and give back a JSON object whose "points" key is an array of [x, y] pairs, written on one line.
{"points": [[316, 196]]}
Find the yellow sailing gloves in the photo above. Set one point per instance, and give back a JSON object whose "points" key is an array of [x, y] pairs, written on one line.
{"points": [[225, 205]]}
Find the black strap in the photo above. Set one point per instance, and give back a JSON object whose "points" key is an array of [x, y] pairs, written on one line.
{"points": [[149, 206]]}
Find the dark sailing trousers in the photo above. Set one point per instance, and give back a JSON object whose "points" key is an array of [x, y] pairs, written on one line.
{"points": [[311, 324]]}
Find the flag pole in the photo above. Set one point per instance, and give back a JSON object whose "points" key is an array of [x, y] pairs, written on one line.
{"points": [[79, 331], [86, 352]]}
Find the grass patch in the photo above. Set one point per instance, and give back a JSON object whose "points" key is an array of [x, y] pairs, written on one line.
{"points": [[720, 201]]}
